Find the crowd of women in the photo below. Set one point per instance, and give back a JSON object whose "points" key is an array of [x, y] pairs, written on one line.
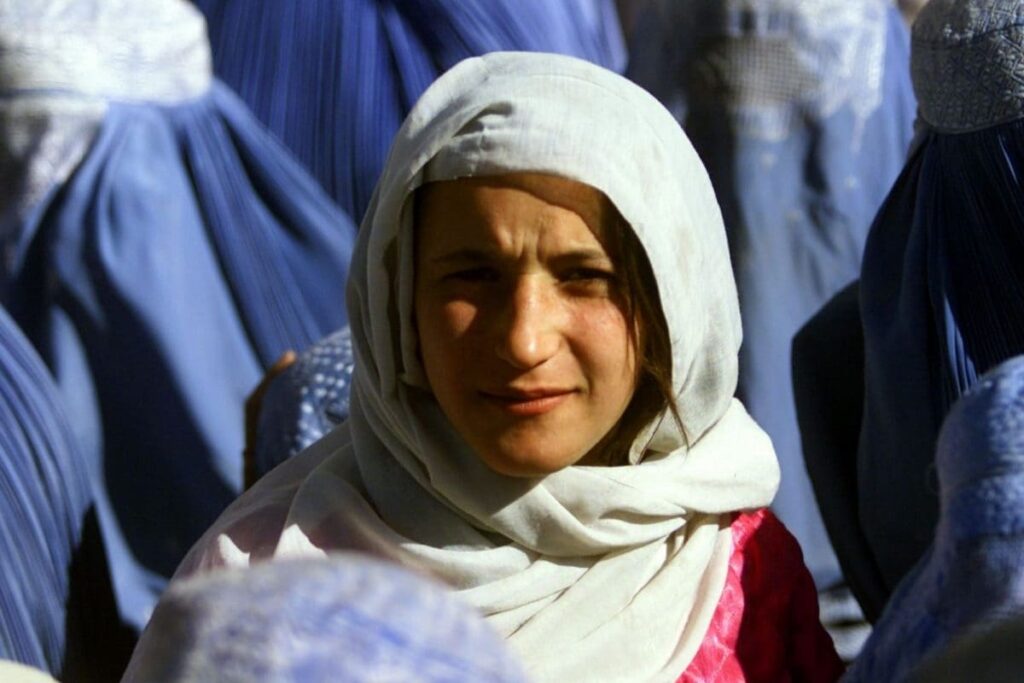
{"points": [[505, 340]]}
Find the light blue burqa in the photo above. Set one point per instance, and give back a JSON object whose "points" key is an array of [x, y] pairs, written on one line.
{"points": [[163, 271], [802, 113]]}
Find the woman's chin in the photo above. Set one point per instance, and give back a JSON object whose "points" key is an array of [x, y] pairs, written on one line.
{"points": [[527, 462]]}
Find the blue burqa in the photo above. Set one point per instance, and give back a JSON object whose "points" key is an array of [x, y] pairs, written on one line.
{"points": [[334, 79], [158, 281], [942, 289], [802, 113]]}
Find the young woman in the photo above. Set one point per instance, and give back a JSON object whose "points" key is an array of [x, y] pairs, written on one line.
{"points": [[546, 332]]}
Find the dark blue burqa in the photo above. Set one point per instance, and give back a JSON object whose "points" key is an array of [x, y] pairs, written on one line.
{"points": [[942, 288], [334, 79], [942, 300], [187, 251]]}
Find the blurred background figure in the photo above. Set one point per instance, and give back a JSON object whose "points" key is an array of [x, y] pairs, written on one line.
{"points": [[335, 78], [629, 12], [942, 288], [342, 618], [803, 114], [160, 250], [972, 576]]}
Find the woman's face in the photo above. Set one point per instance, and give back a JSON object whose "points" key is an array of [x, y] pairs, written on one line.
{"points": [[522, 331]]}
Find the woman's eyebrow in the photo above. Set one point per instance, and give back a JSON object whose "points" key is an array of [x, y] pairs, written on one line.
{"points": [[475, 255], [585, 255]]}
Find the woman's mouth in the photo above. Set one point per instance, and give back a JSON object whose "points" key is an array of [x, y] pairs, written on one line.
{"points": [[527, 403]]}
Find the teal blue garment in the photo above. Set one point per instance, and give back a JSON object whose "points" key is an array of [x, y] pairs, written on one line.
{"points": [[186, 252], [44, 499], [334, 79], [803, 114]]}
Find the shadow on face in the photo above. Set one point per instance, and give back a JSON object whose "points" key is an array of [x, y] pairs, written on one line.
{"points": [[525, 327]]}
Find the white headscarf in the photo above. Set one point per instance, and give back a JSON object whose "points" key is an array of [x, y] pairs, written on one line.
{"points": [[591, 573]]}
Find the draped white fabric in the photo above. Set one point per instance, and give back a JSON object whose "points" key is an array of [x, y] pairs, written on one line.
{"points": [[591, 573]]}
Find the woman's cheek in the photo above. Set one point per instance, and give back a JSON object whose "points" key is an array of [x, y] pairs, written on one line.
{"points": [[457, 317]]}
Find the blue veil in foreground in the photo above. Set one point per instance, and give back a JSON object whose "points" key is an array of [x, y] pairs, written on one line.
{"points": [[162, 272], [346, 617], [334, 79], [802, 113], [972, 576], [942, 288]]}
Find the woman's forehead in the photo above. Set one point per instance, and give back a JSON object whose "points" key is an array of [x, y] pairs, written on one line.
{"points": [[468, 200]]}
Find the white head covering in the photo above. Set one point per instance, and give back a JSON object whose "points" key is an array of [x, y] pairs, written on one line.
{"points": [[592, 573]]}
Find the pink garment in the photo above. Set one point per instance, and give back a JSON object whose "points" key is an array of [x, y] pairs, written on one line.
{"points": [[766, 625]]}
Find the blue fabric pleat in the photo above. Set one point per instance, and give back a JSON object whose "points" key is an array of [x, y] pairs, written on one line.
{"points": [[335, 78], [797, 205], [182, 257], [942, 301], [44, 494]]}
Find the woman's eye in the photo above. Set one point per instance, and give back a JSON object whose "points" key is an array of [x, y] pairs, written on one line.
{"points": [[589, 275]]}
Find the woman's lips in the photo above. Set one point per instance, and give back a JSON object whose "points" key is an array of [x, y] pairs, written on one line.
{"points": [[528, 403]]}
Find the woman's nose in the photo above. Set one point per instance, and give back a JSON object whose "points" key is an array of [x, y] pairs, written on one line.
{"points": [[527, 329]]}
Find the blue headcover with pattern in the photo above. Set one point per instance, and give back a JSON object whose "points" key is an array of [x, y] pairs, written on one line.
{"points": [[305, 402]]}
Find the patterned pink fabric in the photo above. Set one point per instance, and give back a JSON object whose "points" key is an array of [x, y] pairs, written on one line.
{"points": [[766, 626]]}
